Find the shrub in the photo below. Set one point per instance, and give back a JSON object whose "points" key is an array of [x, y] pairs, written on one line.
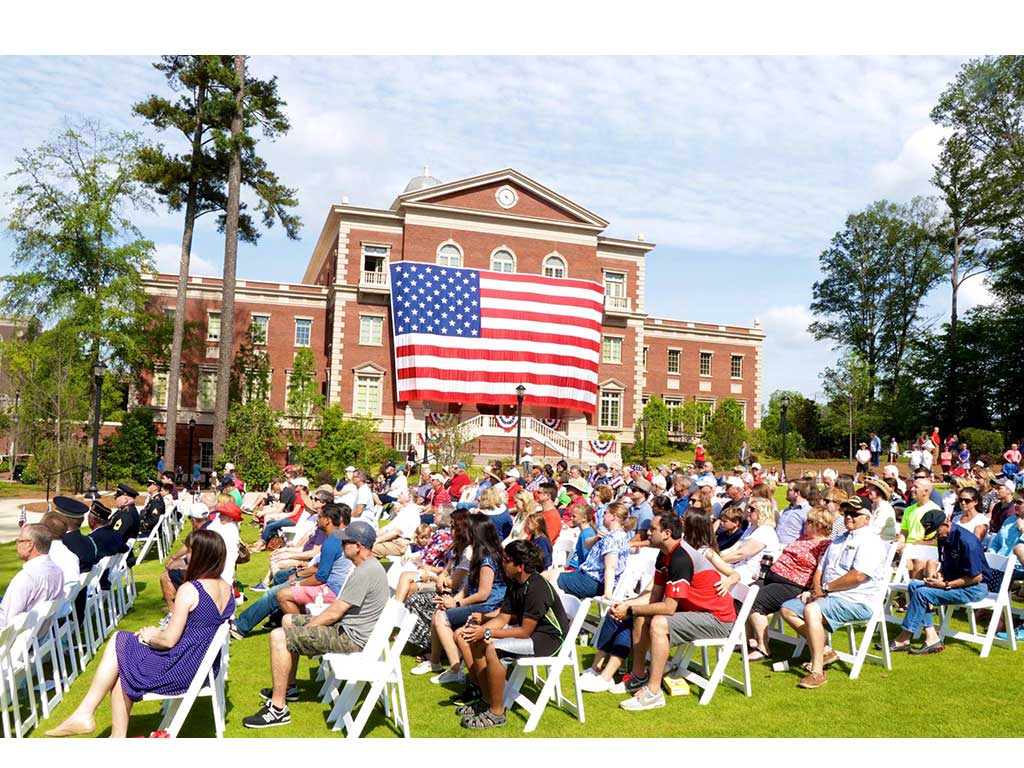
{"points": [[131, 450], [725, 432], [982, 441]]}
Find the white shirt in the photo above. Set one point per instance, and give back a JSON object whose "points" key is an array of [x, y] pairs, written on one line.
{"points": [[39, 580], [406, 521], [66, 560], [860, 550], [750, 568], [927, 459], [361, 495], [227, 530], [398, 485], [863, 456], [883, 521]]}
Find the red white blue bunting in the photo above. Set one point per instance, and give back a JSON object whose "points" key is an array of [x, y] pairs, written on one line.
{"points": [[551, 423], [602, 447], [507, 423]]}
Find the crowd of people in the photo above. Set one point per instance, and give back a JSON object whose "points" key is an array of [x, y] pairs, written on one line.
{"points": [[483, 561]]}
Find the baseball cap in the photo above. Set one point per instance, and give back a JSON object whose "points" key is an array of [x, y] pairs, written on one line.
{"points": [[229, 467], [199, 510], [461, 465], [230, 510], [755, 465], [513, 472], [854, 504], [1008, 483], [350, 469], [706, 482], [360, 532], [734, 482], [438, 477], [301, 481], [658, 480]]}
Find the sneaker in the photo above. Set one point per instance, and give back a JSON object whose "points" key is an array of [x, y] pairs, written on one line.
{"points": [[261, 587], [813, 681], [425, 668], [644, 699], [235, 633], [468, 695], [268, 717], [595, 684], [450, 676], [630, 684], [292, 694]]}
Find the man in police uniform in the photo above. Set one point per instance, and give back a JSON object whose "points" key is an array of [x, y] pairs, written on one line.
{"points": [[73, 511], [154, 509], [126, 520]]}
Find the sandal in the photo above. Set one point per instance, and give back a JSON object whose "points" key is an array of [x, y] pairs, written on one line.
{"points": [[756, 654], [485, 719], [475, 708]]}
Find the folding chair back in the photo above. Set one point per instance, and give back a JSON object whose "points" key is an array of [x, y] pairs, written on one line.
{"points": [[997, 602], [632, 581], [737, 638], [16, 668], [42, 645], [204, 683], [566, 658]]}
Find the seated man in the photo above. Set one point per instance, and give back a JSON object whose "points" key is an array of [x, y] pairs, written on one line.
{"points": [[394, 538], [39, 580], [962, 578], [843, 588], [344, 627], [332, 519], [154, 509], [681, 605], [332, 569], [1010, 539], [531, 622]]}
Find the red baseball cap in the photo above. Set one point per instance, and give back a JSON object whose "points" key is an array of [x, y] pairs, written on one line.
{"points": [[230, 510]]}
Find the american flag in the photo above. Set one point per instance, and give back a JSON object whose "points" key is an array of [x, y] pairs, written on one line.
{"points": [[472, 336]]}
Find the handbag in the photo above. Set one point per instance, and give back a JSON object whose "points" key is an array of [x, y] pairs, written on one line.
{"points": [[276, 542], [243, 554]]}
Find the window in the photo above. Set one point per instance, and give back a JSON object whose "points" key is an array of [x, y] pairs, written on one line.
{"points": [[449, 255], [610, 414], [206, 454], [554, 266], [213, 326], [206, 397], [673, 360], [705, 363], [503, 261], [646, 350], [367, 399], [257, 384], [303, 332], [375, 258], [611, 349], [161, 446], [160, 389], [371, 329], [736, 366], [169, 314], [673, 403], [705, 408], [615, 284], [259, 328]]}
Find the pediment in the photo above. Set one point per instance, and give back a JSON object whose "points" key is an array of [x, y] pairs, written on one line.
{"points": [[532, 200]]}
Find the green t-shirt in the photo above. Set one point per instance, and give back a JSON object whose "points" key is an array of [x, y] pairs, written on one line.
{"points": [[236, 494], [912, 526]]}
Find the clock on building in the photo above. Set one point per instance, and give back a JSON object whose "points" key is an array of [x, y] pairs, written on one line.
{"points": [[506, 197]]}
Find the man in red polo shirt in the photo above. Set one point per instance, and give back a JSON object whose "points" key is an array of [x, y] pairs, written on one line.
{"points": [[459, 481]]}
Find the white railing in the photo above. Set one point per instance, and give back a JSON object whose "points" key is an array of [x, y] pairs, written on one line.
{"points": [[550, 437], [616, 302], [373, 279]]}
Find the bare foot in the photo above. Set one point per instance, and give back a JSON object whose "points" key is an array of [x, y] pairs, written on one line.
{"points": [[73, 727]]}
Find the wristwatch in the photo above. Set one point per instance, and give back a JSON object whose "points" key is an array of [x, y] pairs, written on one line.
{"points": [[629, 611], [487, 635], [824, 590], [458, 603]]}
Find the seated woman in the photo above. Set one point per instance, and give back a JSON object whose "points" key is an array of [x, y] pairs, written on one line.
{"points": [[524, 505], [971, 518], [602, 564], [583, 517], [834, 497], [482, 590], [438, 572], [302, 503], [492, 503], [536, 530], [160, 661], [758, 541], [790, 575]]}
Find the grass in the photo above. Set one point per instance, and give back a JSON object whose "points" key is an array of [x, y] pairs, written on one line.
{"points": [[901, 703]]}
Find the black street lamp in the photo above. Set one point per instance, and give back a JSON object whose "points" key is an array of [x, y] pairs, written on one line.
{"points": [[99, 370], [644, 422], [14, 432], [191, 434], [520, 394], [785, 407], [426, 434]]}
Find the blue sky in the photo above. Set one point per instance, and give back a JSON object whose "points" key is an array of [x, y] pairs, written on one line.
{"points": [[740, 168]]}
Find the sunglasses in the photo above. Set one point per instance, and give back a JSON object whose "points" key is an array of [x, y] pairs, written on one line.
{"points": [[966, 500], [852, 513], [1019, 502]]}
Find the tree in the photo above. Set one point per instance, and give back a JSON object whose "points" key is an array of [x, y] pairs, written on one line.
{"points": [[255, 103], [875, 275], [254, 435], [848, 389], [304, 399], [78, 258], [195, 180], [725, 432], [658, 416], [447, 441], [131, 450], [250, 372], [344, 442]]}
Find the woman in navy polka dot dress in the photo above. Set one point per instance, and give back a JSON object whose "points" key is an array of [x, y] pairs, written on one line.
{"points": [[160, 661]]}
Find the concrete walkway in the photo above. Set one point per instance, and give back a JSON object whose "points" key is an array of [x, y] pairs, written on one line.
{"points": [[10, 509]]}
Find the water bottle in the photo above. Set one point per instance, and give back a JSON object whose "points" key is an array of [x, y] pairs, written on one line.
{"points": [[766, 566]]}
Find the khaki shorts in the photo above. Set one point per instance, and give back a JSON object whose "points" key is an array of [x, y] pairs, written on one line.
{"points": [[314, 641]]}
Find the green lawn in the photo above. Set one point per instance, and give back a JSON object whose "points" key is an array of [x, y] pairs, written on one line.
{"points": [[908, 702]]}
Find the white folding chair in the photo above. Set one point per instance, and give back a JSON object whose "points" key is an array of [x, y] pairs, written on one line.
{"points": [[737, 638], [562, 548], [93, 618], [634, 579], [155, 537], [205, 682], [997, 602], [898, 585], [118, 596], [395, 571], [553, 666], [69, 635], [42, 646], [860, 654], [379, 668], [15, 671]]}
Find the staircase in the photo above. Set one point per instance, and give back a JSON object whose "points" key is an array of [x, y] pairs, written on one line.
{"points": [[532, 429]]}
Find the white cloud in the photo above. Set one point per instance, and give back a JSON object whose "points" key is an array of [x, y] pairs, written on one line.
{"points": [[167, 257], [909, 173], [793, 357], [974, 293]]}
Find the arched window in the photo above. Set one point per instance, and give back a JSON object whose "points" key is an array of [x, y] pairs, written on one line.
{"points": [[554, 266], [449, 255], [502, 260]]}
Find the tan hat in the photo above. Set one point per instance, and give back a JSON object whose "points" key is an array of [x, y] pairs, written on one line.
{"points": [[883, 487]]}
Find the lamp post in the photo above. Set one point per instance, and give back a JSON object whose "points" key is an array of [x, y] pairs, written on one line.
{"points": [[14, 433], [520, 394], [426, 433], [99, 370], [191, 434], [785, 407], [644, 422]]}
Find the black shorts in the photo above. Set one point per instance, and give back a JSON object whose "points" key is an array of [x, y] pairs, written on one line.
{"points": [[774, 593], [177, 576]]}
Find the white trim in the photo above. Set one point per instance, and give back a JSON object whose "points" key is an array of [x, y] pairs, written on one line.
{"points": [[446, 222], [373, 372], [732, 376], [252, 322], [711, 363], [367, 316], [504, 249], [618, 394], [295, 332], [449, 241], [560, 257], [620, 339], [209, 314], [515, 196], [679, 369]]}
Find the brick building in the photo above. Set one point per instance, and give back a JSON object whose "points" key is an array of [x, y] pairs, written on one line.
{"points": [[501, 221]]}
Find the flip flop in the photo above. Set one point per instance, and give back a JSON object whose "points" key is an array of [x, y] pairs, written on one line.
{"points": [[757, 655], [937, 647], [893, 648]]}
